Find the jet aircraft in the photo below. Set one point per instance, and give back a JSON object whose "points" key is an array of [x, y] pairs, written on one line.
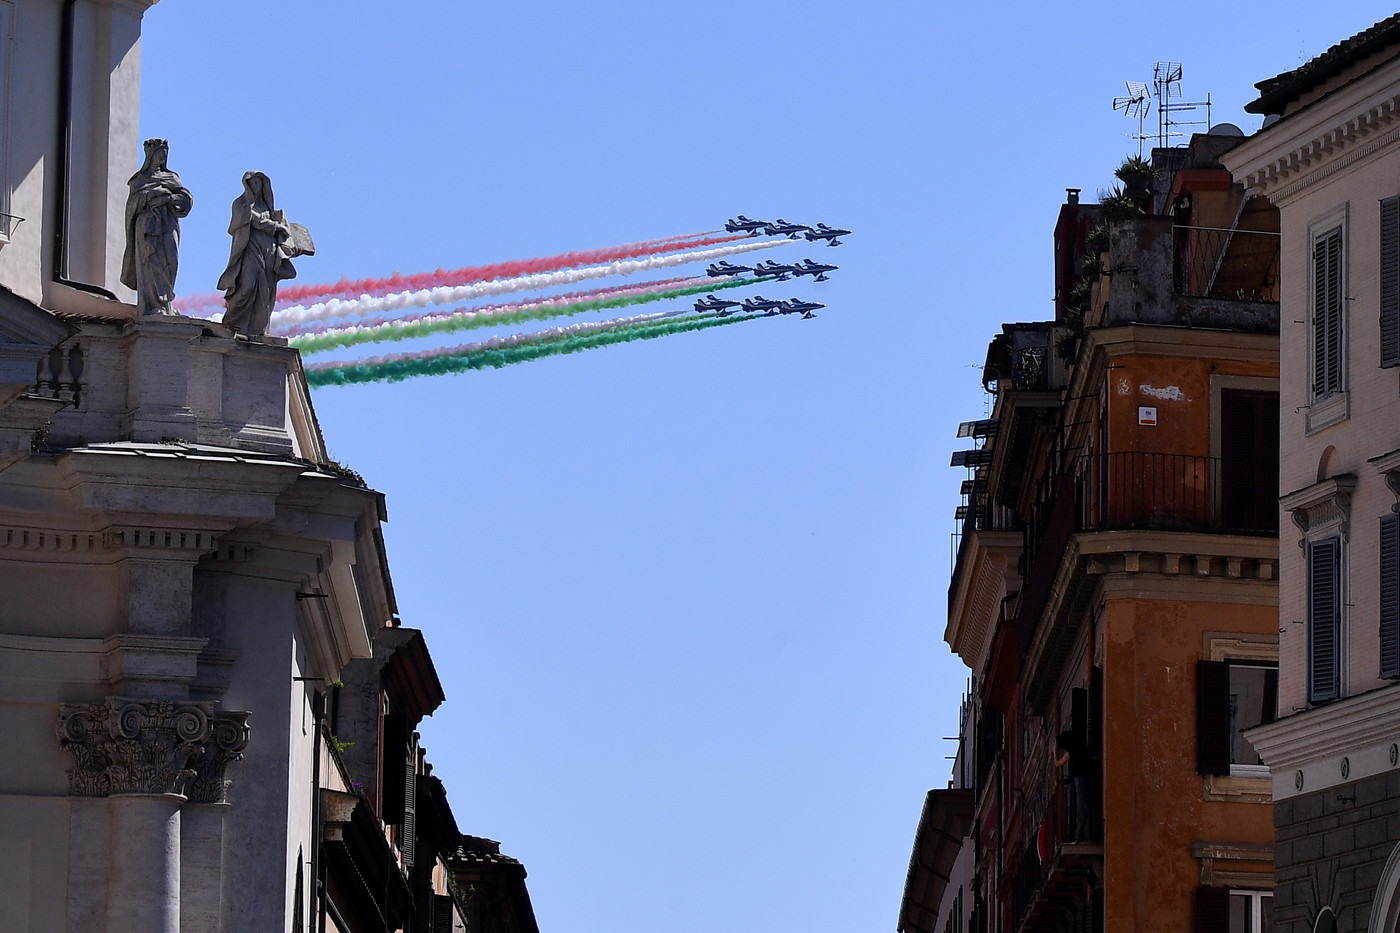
{"points": [[758, 303], [823, 232], [726, 268], [714, 303], [783, 270], [743, 225], [817, 270], [798, 306], [781, 227]]}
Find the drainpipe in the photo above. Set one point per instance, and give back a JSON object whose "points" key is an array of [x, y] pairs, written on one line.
{"points": [[65, 152]]}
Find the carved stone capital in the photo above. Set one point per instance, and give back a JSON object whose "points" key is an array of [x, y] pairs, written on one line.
{"points": [[126, 746]]}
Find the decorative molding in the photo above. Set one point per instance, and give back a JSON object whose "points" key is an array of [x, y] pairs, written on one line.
{"points": [[126, 746], [1388, 465], [1305, 751], [1322, 506], [1335, 149]]}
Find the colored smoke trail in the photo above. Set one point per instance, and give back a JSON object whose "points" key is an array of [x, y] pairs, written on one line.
{"points": [[320, 327], [339, 308], [444, 323], [406, 367], [352, 289]]}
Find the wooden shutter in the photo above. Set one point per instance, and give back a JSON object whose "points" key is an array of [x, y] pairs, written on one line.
{"points": [[1212, 910], [392, 747], [408, 836], [1213, 717], [1327, 314], [1390, 596], [1324, 605], [1390, 282], [442, 913]]}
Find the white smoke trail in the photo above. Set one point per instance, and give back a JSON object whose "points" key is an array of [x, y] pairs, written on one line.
{"points": [[340, 308]]}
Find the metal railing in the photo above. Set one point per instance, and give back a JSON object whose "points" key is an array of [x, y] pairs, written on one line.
{"points": [[1143, 491], [1178, 492], [1217, 262]]}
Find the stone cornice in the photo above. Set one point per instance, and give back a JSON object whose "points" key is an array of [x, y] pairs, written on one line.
{"points": [[1332, 744], [1306, 147], [126, 746]]}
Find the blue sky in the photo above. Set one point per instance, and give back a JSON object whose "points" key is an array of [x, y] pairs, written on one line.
{"points": [[687, 596]]}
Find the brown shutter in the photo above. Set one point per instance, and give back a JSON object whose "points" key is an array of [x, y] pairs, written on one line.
{"points": [[1390, 596], [1212, 910], [442, 913], [409, 837], [1323, 617], [1390, 282], [1213, 717]]}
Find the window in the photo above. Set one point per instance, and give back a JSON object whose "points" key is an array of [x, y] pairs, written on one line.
{"points": [[1324, 619], [1390, 596], [1251, 911], [1226, 910], [1390, 281], [1232, 697], [1327, 303]]}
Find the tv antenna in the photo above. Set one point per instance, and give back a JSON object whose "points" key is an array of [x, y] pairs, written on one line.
{"points": [[1136, 104], [1166, 84]]}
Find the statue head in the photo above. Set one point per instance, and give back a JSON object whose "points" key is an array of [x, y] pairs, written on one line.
{"points": [[257, 186], [157, 151]]}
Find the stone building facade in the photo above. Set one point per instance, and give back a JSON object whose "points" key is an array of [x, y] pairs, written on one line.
{"points": [[185, 579]]}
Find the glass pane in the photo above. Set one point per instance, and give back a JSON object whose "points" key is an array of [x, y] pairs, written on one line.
{"points": [[1249, 699], [1266, 913], [1239, 912]]}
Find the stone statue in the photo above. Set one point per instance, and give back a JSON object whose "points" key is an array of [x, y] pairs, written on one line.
{"points": [[264, 243], [154, 206]]}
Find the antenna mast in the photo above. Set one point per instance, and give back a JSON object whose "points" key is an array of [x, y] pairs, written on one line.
{"points": [[1166, 83], [1136, 104]]}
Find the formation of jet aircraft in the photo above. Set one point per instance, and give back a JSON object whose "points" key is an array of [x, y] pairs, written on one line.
{"points": [[780, 227]]}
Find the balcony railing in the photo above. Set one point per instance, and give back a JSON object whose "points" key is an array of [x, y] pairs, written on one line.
{"points": [[1214, 262], [1177, 492], [1136, 490], [1049, 882]]}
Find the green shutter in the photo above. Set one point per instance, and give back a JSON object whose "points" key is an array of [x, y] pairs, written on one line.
{"points": [[1324, 604], [1390, 596], [1390, 282], [1327, 314]]}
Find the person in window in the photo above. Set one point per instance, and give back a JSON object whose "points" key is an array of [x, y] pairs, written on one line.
{"points": [[1075, 755]]}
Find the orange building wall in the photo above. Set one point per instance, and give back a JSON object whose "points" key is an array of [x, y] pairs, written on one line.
{"points": [[1153, 798], [1179, 388]]}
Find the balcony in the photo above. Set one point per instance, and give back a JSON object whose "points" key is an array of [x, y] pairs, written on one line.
{"points": [[1049, 886], [1213, 262], [1138, 490]]}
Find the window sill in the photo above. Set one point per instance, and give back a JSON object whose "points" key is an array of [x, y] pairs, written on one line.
{"points": [[1326, 412], [1239, 788]]}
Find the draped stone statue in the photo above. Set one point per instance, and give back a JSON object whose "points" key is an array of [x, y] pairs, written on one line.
{"points": [[264, 243], [154, 205]]}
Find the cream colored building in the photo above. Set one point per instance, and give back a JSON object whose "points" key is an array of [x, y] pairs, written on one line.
{"points": [[1328, 158]]}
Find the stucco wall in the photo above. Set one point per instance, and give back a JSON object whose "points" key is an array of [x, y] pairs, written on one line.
{"points": [[1154, 799]]}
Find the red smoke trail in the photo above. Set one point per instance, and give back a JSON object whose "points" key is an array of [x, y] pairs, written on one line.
{"points": [[351, 289]]}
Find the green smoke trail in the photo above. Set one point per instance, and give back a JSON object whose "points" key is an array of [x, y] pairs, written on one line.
{"points": [[497, 357], [405, 330]]}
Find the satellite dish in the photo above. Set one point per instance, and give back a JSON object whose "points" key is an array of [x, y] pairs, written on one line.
{"points": [[1225, 129]]}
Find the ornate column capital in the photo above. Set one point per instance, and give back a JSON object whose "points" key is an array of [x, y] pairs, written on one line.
{"points": [[127, 746]]}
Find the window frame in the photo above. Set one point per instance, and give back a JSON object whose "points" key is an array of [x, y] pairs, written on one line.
{"points": [[1256, 914]]}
